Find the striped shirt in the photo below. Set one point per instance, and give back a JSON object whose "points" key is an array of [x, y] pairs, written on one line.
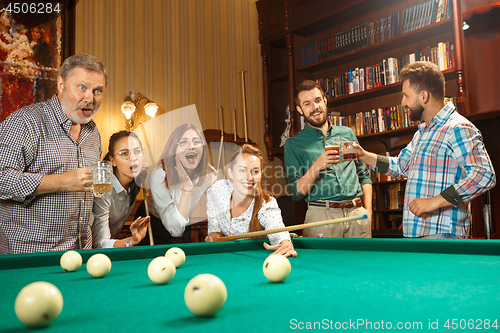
{"points": [[448, 151], [36, 141]]}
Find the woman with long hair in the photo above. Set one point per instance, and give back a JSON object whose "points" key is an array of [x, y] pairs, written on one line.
{"points": [[241, 205], [177, 184], [110, 213]]}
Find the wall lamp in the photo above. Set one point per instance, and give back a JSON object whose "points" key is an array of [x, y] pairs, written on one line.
{"points": [[130, 104]]}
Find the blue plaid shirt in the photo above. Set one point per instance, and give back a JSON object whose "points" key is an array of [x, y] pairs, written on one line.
{"points": [[448, 151], [36, 141]]}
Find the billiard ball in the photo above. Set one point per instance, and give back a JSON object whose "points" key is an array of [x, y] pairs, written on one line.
{"points": [[38, 304], [99, 265], [205, 295], [276, 268], [71, 261], [176, 255], [161, 270]]}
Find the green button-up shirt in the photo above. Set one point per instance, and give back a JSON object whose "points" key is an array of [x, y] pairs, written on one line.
{"points": [[342, 181]]}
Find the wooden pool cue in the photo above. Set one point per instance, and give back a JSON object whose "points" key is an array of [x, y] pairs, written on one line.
{"points": [[234, 125], [292, 228], [219, 160], [244, 97], [150, 230]]}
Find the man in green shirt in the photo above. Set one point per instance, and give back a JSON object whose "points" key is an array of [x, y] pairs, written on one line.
{"points": [[333, 188]]}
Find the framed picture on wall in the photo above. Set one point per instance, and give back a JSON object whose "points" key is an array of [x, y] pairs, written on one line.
{"points": [[35, 38]]}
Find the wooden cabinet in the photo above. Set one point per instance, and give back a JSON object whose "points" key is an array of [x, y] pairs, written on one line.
{"points": [[304, 22]]}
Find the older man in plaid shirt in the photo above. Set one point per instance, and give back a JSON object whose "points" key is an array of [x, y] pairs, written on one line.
{"points": [[446, 162], [45, 150]]}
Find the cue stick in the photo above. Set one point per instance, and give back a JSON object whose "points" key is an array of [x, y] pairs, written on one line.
{"points": [[150, 230], [291, 228], [244, 104], [234, 125], [221, 138]]}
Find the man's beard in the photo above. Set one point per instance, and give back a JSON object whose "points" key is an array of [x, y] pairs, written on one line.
{"points": [[416, 112], [315, 123], [74, 116]]}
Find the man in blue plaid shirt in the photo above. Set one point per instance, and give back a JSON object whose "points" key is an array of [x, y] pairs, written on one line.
{"points": [[46, 149], [446, 162]]}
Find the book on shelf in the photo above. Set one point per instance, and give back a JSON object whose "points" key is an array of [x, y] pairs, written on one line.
{"points": [[440, 11]]}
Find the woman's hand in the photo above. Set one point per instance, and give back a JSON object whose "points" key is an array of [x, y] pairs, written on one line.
{"points": [[285, 248], [139, 229], [187, 184], [213, 236]]}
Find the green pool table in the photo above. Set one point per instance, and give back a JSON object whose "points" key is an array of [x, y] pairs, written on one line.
{"points": [[335, 284]]}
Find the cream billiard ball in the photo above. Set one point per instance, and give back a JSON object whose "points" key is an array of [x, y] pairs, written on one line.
{"points": [[276, 268], [205, 295], [176, 255], [161, 270], [38, 304], [99, 265], [71, 261]]}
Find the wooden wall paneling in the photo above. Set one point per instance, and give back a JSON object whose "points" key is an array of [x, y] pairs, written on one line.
{"points": [[272, 19], [482, 68]]}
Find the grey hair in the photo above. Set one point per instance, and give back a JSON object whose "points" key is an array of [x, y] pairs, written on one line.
{"points": [[85, 61]]}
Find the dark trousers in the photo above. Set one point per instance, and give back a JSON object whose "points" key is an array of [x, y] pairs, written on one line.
{"points": [[160, 234]]}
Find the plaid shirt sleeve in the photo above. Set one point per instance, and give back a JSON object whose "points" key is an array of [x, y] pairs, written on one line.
{"points": [[17, 151], [398, 166], [476, 171]]}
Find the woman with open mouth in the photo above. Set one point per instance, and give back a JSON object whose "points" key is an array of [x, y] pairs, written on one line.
{"points": [[241, 205], [110, 213], [178, 183]]}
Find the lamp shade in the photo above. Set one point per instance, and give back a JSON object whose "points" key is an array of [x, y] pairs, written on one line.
{"points": [[151, 108], [128, 108]]}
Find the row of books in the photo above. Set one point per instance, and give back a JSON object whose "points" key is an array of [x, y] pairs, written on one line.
{"points": [[442, 55], [393, 195], [374, 121], [351, 39], [385, 72], [426, 13], [360, 79], [373, 32], [378, 121]]}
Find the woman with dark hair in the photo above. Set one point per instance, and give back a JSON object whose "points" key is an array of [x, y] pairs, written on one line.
{"points": [[241, 205], [110, 213], [177, 184]]}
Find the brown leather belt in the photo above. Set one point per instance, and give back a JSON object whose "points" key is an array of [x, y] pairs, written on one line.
{"points": [[332, 204]]}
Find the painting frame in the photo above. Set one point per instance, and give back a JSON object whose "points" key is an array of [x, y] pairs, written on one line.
{"points": [[35, 38]]}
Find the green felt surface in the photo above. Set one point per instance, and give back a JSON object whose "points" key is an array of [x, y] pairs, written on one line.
{"points": [[333, 282]]}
